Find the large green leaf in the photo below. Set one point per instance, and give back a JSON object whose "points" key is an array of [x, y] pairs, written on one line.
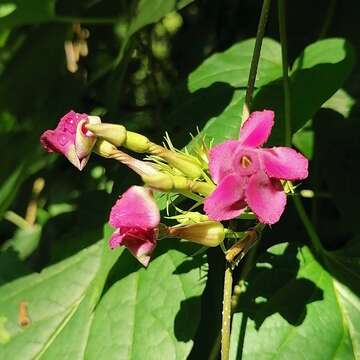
{"points": [[226, 125], [152, 313], [233, 65], [317, 74], [162, 301], [295, 309], [60, 301]]}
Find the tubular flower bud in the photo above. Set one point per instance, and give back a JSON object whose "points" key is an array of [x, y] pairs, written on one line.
{"points": [[185, 163], [104, 148], [136, 142], [71, 138], [142, 168], [171, 183], [161, 181], [114, 133], [207, 233]]}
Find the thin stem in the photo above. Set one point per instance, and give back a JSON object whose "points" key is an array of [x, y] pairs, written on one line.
{"points": [[328, 19], [255, 59], [226, 322], [226, 314], [309, 227], [285, 67], [89, 20]]}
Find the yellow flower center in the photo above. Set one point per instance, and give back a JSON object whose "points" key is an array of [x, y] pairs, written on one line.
{"points": [[245, 162]]}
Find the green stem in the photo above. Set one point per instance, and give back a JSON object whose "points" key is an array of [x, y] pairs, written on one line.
{"points": [[285, 67], [89, 20], [328, 19], [309, 227], [226, 322], [255, 59], [226, 314]]}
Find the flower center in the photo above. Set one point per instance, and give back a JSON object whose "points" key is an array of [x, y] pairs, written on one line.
{"points": [[245, 161]]}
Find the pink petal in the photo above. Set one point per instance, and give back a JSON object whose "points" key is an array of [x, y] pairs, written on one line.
{"points": [[284, 163], [84, 143], [141, 243], [56, 141], [68, 139], [70, 121], [227, 201], [257, 128], [265, 197], [136, 208], [222, 159]]}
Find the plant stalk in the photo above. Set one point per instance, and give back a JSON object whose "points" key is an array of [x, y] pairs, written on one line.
{"points": [[309, 227], [228, 280], [255, 59], [285, 70], [226, 314]]}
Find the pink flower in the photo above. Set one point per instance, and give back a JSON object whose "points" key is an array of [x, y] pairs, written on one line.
{"points": [[136, 218], [71, 138], [248, 175]]}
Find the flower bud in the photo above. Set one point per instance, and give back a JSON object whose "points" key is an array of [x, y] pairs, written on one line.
{"points": [[114, 133], [71, 138], [136, 142], [104, 148], [207, 233], [202, 188], [160, 181], [185, 163]]}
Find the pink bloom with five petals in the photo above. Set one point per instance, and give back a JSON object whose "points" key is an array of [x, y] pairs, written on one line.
{"points": [[71, 138], [249, 176], [136, 218]]}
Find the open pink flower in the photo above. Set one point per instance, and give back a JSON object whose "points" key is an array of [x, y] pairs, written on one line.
{"points": [[136, 218], [71, 138], [248, 175]]}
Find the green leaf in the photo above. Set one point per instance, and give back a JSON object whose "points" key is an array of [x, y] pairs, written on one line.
{"points": [[233, 65], [317, 74], [60, 301], [226, 125], [303, 139], [162, 301], [295, 307], [22, 12], [24, 242], [150, 313], [340, 102], [10, 186]]}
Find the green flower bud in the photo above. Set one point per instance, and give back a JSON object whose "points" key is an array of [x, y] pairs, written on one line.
{"points": [[114, 133], [185, 163], [136, 142], [207, 233], [104, 148], [160, 181]]}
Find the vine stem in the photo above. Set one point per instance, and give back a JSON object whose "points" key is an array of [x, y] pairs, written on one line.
{"points": [[255, 59], [309, 227], [285, 67], [228, 279], [226, 313]]}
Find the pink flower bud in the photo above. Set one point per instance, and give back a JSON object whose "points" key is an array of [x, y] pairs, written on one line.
{"points": [[71, 138], [136, 218]]}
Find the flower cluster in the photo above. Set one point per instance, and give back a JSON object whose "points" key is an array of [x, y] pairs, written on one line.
{"points": [[231, 180]]}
